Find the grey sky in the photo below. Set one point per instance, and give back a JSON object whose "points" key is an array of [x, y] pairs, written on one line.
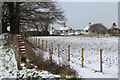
{"points": [[79, 14]]}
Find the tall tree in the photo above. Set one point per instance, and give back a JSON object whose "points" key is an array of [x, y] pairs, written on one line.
{"points": [[41, 15], [13, 14], [0, 18], [38, 15], [5, 18]]}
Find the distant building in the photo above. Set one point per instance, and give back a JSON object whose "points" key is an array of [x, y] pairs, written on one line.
{"points": [[77, 32], [86, 29], [96, 28], [63, 31], [114, 30]]}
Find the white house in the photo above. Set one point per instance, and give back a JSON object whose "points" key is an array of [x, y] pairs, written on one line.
{"points": [[85, 30], [64, 30], [77, 32]]}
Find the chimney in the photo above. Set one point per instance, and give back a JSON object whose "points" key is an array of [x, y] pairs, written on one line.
{"points": [[64, 25], [114, 25], [89, 24]]}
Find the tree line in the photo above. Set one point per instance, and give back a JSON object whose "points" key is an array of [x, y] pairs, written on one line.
{"points": [[31, 14]]}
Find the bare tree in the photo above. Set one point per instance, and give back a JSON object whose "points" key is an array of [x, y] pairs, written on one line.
{"points": [[37, 15]]}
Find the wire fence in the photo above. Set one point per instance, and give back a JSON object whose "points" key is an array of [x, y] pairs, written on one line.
{"points": [[62, 54]]}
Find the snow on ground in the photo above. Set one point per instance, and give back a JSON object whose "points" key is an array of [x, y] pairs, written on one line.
{"points": [[8, 66], [91, 54]]}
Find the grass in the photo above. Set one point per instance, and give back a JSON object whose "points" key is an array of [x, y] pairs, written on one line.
{"points": [[48, 65], [54, 68]]}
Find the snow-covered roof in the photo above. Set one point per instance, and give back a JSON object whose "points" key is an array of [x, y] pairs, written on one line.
{"points": [[87, 27], [115, 27], [64, 28]]}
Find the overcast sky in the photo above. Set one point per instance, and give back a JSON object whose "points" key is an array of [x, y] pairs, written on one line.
{"points": [[79, 14]]}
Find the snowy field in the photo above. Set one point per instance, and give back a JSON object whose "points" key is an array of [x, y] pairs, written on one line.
{"points": [[8, 66], [91, 46]]}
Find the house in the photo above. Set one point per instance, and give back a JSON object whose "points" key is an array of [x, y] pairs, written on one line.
{"points": [[64, 30], [77, 32], [114, 30], [96, 28], [86, 29]]}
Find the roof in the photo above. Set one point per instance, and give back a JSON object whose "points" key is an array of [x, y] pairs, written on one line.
{"points": [[98, 27], [113, 28], [64, 28], [95, 27], [86, 28]]}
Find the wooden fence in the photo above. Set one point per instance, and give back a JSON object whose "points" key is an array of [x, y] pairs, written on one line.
{"points": [[44, 45]]}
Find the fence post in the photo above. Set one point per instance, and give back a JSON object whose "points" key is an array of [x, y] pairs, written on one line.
{"points": [[68, 52], [82, 57], [100, 60], [42, 44], [52, 47], [58, 50], [46, 45]]}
